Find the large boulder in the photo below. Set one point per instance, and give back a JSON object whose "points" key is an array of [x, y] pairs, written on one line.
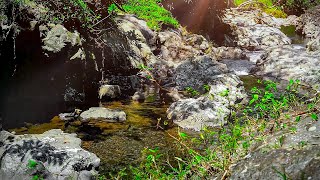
{"points": [[255, 29], [290, 62], [296, 156], [58, 156], [211, 108], [139, 36]]}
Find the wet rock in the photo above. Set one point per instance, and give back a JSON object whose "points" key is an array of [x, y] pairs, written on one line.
{"points": [[58, 156], [104, 114], [290, 62], [255, 29], [109, 91], [57, 36], [212, 108]]}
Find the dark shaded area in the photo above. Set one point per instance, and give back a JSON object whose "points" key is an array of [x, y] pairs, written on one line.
{"points": [[38, 85], [202, 17]]}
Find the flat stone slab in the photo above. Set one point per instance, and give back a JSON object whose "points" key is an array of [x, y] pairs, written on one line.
{"points": [[104, 114]]}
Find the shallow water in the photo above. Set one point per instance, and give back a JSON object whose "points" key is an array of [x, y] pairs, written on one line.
{"points": [[121, 144]]}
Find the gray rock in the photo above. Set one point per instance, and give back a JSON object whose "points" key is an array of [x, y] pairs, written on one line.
{"points": [[138, 96], [239, 67], [291, 62], [255, 29], [104, 114], [229, 53], [139, 35], [58, 156], [212, 108], [66, 116], [255, 56], [109, 91], [56, 38], [310, 27], [297, 155], [295, 164]]}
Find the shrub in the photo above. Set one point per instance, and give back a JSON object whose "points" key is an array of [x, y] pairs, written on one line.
{"points": [[149, 10]]}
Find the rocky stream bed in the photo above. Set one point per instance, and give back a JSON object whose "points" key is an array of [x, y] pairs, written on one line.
{"points": [[105, 108]]}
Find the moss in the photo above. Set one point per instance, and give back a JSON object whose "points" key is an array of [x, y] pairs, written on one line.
{"points": [[55, 123], [290, 31], [266, 5], [276, 12]]}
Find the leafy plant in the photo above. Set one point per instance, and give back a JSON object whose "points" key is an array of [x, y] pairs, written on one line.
{"points": [[206, 87], [192, 92], [112, 8], [33, 165], [214, 151], [149, 10], [266, 103]]}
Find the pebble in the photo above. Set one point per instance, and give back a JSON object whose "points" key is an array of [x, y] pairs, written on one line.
{"points": [[313, 128]]}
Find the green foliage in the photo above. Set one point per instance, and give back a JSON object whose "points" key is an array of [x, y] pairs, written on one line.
{"points": [[206, 87], [112, 8], [277, 8], [220, 148], [268, 6], [32, 165], [314, 116], [224, 93], [149, 10], [265, 103], [192, 92]]}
